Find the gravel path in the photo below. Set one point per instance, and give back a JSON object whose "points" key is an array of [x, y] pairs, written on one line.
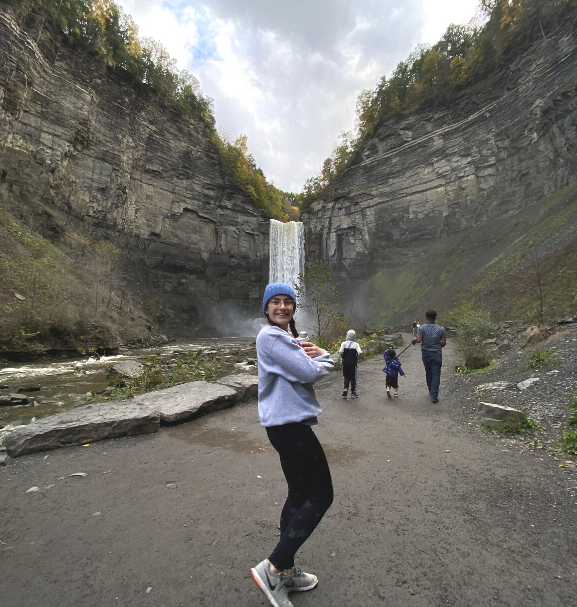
{"points": [[428, 511]]}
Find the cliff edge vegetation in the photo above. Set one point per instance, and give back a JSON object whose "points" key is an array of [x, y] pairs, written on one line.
{"points": [[466, 57]]}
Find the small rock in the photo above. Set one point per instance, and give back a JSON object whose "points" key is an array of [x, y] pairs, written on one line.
{"points": [[9, 400], [80, 474], [32, 490], [526, 383], [149, 590]]}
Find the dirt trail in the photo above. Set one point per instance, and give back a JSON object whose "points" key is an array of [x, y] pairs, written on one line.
{"points": [[426, 512]]}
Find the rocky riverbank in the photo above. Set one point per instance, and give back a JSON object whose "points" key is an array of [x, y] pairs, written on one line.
{"points": [[538, 378]]}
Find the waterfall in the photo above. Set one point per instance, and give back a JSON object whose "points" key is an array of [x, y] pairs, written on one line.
{"points": [[287, 251]]}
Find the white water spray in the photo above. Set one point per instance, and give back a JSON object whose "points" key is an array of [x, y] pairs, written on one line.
{"points": [[287, 251]]}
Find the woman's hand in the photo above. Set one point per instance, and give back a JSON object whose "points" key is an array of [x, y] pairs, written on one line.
{"points": [[311, 350]]}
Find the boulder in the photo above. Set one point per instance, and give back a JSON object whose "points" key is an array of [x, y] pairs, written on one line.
{"points": [[187, 401], [498, 417], [86, 424], [523, 385], [7, 400], [129, 368], [246, 386]]}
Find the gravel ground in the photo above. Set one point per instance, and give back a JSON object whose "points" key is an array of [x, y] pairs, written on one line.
{"points": [[546, 401]]}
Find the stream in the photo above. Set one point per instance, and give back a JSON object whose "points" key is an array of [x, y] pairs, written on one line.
{"points": [[62, 383]]}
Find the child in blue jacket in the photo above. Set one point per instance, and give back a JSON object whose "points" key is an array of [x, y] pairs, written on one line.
{"points": [[392, 369]]}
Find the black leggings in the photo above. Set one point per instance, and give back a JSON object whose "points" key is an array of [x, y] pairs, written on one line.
{"points": [[310, 488]]}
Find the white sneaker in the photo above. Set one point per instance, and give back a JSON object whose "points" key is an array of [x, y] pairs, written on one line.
{"points": [[271, 584]]}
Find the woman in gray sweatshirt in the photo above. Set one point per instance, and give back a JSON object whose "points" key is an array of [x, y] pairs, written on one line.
{"points": [[288, 409]]}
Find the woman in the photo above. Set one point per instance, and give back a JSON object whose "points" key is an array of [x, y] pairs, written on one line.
{"points": [[288, 408]]}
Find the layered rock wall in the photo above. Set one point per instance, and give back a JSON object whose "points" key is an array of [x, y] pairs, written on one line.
{"points": [[441, 172], [80, 151]]}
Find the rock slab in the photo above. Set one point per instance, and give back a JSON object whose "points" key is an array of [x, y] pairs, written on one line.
{"points": [[498, 417], [246, 386], [141, 415], [186, 402], [90, 423]]}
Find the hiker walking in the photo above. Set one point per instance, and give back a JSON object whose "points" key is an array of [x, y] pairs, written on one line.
{"points": [[288, 409], [392, 370], [350, 351], [415, 328], [432, 338]]}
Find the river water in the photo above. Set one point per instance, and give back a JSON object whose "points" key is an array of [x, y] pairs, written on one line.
{"points": [[65, 383]]}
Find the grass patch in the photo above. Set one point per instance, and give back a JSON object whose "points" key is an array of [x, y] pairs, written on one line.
{"points": [[542, 358], [464, 370], [527, 426], [161, 373], [569, 442]]}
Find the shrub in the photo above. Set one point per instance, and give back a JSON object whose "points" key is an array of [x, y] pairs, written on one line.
{"points": [[569, 442], [542, 358]]}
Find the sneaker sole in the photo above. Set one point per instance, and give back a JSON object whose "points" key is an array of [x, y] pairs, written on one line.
{"points": [[304, 588], [262, 585]]}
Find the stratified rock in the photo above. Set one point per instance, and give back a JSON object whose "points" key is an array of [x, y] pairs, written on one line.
{"points": [[432, 196], [185, 402], [95, 155], [246, 386], [129, 368], [90, 423], [7, 400], [498, 417], [523, 385]]}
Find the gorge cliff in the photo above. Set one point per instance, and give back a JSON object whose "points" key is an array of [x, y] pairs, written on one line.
{"points": [[129, 190], [459, 200]]}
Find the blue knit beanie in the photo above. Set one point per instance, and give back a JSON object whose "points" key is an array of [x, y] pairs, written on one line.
{"points": [[277, 288]]}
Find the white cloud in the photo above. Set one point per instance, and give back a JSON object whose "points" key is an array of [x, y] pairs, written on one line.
{"points": [[287, 74]]}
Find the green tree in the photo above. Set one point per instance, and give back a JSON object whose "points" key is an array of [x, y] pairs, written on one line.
{"points": [[317, 291]]}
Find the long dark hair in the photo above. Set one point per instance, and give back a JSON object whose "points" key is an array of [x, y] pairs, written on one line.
{"points": [[292, 325]]}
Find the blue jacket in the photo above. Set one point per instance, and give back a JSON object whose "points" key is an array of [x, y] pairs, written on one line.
{"points": [[392, 366]]}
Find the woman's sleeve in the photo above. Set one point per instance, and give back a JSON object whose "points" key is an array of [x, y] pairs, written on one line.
{"points": [[296, 366]]}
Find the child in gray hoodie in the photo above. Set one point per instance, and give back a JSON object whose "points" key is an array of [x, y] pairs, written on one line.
{"points": [[350, 351]]}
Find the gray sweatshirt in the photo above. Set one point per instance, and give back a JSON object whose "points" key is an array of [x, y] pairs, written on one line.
{"points": [[285, 378]]}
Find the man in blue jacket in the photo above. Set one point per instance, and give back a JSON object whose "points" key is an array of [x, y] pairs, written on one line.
{"points": [[432, 338]]}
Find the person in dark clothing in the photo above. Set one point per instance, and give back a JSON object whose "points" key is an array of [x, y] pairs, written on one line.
{"points": [[432, 338], [349, 352], [392, 370]]}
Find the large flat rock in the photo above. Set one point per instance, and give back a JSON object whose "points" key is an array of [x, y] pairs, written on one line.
{"points": [[141, 415], [84, 424], [246, 385], [187, 401]]}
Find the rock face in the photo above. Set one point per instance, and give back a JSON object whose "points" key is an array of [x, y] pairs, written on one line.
{"points": [[436, 189], [81, 153]]}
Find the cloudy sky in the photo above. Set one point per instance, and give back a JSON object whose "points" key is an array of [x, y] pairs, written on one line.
{"points": [[287, 72]]}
